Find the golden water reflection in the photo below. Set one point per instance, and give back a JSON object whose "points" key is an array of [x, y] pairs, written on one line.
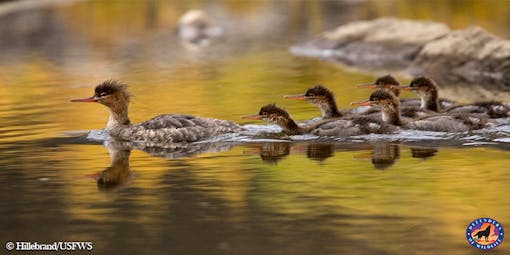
{"points": [[260, 198]]}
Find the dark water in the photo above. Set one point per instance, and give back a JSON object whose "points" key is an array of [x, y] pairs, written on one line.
{"points": [[249, 198]]}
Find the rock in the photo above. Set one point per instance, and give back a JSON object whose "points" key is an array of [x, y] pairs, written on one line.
{"points": [[387, 42], [469, 56]]}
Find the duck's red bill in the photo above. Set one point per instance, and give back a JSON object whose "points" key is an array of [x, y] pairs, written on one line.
{"points": [[362, 103], [299, 97], [252, 117], [85, 100]]}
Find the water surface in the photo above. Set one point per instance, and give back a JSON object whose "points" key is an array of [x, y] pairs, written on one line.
{"points": [[301, 197]]}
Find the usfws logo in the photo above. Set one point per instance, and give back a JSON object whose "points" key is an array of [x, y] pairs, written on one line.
{"points": [[485, 233]]}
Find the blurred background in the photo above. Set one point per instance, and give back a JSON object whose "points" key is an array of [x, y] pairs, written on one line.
{"points": [[271, 198]]}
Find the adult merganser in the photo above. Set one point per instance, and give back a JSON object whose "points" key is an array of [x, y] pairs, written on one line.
{"points": [[344, 127], [390, 109], [427, 89], [167, 128]]}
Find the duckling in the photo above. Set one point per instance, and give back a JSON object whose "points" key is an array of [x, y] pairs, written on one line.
{"points": [[410, 107], [427, 89], [344, 127], [390, 110]]}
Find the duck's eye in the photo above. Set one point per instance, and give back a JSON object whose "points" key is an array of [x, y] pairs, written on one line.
{"points": [[102, 94]]}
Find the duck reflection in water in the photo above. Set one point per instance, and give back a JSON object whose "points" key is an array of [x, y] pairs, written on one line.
{"points": [[320, 151], [272, 152], [423, 152], [383, 155], [118, 174]]}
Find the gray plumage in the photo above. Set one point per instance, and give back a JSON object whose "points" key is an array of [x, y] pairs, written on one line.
{"points": [[390, 109], [174, 128], [167, 128], [348, 126]]}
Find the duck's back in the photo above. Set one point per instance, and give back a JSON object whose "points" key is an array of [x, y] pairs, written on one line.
{"points": [[175, 128], [449, 123], [416, 102], [491, 109], [358, 125]]}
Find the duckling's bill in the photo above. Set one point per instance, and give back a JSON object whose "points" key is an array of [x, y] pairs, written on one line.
{"points": [[363, 103], [252, 117], [300, 97], [368, 86], [91, 99]]}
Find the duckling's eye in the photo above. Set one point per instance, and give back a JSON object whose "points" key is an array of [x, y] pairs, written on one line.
{"points": [[102, 94]]}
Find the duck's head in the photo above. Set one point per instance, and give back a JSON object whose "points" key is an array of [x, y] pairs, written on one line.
{"points": [[110, 93], [270, 113], [388, 103], [387, 82], [315, 95], [421, 85], [381, 99]]}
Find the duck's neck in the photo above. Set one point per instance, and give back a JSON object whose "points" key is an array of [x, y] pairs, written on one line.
{"points": [[430, 101], [290, 127], [391, 115], [395, 91], [118, 117], [329, 109], [119, 158]]}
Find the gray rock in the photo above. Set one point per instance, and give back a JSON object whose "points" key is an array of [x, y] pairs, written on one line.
{"points": [[469, 56], [386, 42]]}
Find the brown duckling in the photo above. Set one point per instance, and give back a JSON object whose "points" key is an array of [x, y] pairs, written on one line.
{"points": [[410, 107], [390, 110], [344, 127], [427, 89]]}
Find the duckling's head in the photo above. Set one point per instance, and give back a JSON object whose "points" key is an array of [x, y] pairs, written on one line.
{"points": [[318, 94], [110, 93], [423, 84], [271, 113], [275, 115], [315, 95], [384, 99], [387, 82], [380, 99]]}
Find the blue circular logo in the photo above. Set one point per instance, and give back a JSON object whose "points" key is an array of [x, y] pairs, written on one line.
{"points": [[485, 233]]}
